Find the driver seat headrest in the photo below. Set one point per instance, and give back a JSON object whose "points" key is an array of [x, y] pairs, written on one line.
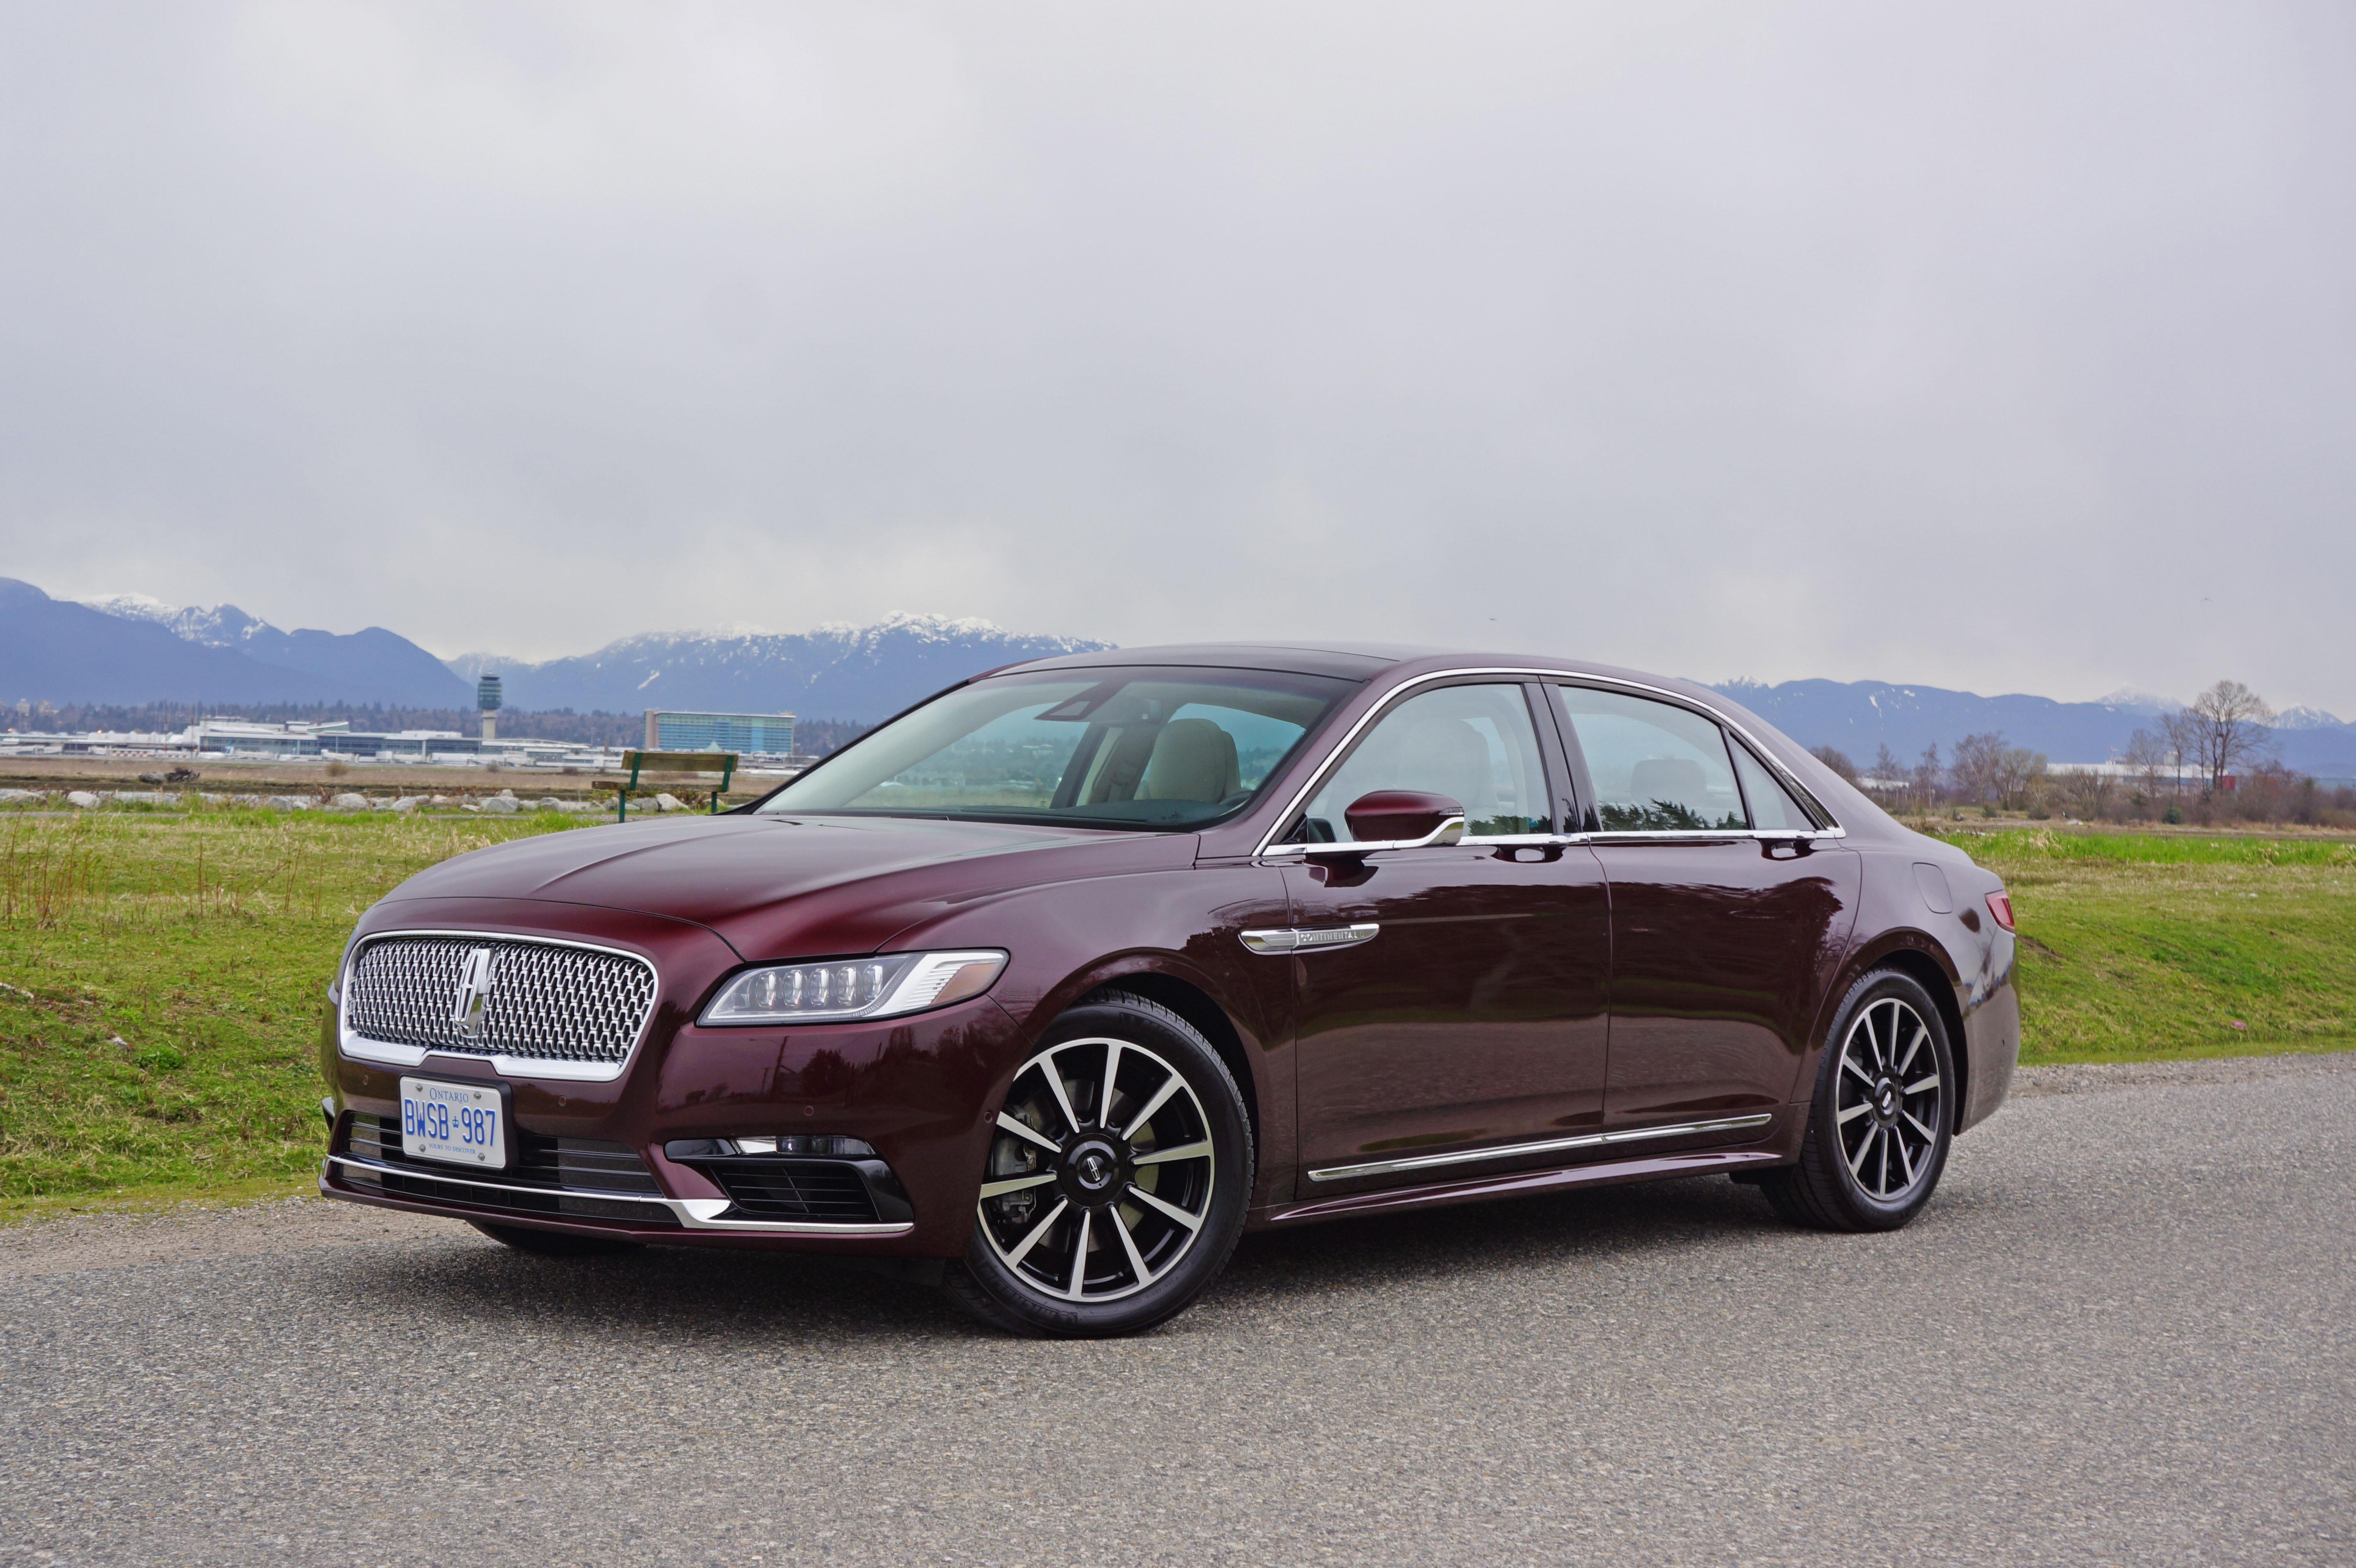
{"points": [[1193, 759]]}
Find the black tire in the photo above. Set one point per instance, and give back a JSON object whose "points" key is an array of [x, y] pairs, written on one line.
{"points": [[1879, 1126], [555, 1243], [1043, 1260]]}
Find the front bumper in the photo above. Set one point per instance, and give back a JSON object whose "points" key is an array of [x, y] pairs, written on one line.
{"points": [[913, 1088]]}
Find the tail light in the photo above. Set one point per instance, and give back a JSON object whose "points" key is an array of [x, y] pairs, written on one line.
{"points": [[2000, 906]]}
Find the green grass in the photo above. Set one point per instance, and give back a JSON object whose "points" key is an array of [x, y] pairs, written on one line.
{"points": [[166, 983], [165, 974], [2139, 947]]}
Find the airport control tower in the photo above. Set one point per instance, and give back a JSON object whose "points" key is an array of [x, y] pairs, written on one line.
{"points": [[486, 698]]}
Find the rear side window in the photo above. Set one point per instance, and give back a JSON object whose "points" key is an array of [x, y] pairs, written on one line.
{"points": [[1657, 767], [1771, 807]]}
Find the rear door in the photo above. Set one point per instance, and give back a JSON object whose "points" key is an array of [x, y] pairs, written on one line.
{"points": [[1723, 937]]}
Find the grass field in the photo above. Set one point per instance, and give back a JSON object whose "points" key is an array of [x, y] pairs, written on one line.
{"points": [[2139, 946], [162, 974], [164, 982]]}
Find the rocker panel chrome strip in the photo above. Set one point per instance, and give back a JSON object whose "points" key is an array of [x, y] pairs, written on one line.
{"points": [[1544, 1145]]}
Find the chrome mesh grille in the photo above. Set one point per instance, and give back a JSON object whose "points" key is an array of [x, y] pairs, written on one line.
{"points": [[546, 1000]]}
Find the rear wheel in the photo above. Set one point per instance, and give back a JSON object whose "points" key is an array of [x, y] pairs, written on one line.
{"points": [[555, 1243], [1878, 1129], [1115, 1187]]}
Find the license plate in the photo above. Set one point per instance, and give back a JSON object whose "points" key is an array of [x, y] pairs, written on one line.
{"points": [[462, 1124]]}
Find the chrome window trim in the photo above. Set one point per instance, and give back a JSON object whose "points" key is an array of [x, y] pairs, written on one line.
{"points": [[358, 1047], [693, 1214], [1541, 1146], [1765, 757]]}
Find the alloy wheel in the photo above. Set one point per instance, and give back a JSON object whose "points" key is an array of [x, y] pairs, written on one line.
{"points": [[1099, 1179], [1889, 1100]]}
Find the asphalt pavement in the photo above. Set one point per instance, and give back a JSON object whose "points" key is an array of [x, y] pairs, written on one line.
{"points": [[2122, 1333]]}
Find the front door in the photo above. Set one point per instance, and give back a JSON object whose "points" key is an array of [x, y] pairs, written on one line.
{"points": [[1475, 1014]]}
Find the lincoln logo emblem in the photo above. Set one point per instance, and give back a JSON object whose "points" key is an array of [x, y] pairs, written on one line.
{"points": [[474, 990]]}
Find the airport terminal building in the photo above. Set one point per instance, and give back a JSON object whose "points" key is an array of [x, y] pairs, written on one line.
{"points": [[746, 734]]}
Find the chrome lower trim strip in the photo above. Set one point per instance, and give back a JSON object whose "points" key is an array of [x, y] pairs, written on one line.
{"points": [[694, 1213], [1309, 938], [1544, 1145], [361, 1048]]}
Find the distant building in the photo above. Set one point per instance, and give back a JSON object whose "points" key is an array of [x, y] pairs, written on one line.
{"points": [[760, 734]]}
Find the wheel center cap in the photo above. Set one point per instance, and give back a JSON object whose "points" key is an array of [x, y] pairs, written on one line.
{"points": [[1887, 1100], [1094, 1166]]}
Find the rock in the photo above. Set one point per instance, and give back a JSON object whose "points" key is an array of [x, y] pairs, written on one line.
{"points": [[16, 797], [348, 802], [290, 803], [81, 799], [469, 805], [407, 802], [671, 803], [501, 806], [505, 794], [146, 797], [548, 803]]}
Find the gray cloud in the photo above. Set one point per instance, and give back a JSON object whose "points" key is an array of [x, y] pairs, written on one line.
{"points": [[2003, 347]]}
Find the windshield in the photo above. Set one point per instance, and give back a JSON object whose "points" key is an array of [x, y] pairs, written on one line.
{"points": [[1105, 748]]}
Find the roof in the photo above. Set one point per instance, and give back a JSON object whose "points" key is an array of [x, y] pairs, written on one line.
{"points": [[1350, 661]]}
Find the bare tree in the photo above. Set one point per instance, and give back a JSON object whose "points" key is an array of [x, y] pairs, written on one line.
{"points": [[2092, 793], [1979, 767], [1888, 768], [2021, 769], [2228, 726], [2182, 731], [1928, 771], [2148, 756], [1835, 760]]}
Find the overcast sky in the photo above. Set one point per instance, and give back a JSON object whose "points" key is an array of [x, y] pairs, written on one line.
{"points": [[2010, 349]]}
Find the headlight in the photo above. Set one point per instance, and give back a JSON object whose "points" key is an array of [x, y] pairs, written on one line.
{"points": [[852, 988]]}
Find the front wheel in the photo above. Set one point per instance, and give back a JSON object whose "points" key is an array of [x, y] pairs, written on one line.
{"points": [[1115, 1187], [1879, 1126]]}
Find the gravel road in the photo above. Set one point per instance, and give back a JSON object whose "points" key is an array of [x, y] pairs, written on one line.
{"points": [[2122, 1333]]}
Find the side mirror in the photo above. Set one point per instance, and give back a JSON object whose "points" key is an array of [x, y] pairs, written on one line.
{"points": [[1403, 818]]}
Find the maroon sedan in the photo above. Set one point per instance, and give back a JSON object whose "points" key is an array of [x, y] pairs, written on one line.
{"points": [[1053, 985]]}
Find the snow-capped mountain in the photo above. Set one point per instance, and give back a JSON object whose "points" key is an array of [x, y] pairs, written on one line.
{"points": [[370, 665], [2307, 718], [834, 671], [1858, 717]]}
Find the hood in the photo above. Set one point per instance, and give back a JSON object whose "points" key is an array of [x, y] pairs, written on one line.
{"points": [[715, 869]]}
